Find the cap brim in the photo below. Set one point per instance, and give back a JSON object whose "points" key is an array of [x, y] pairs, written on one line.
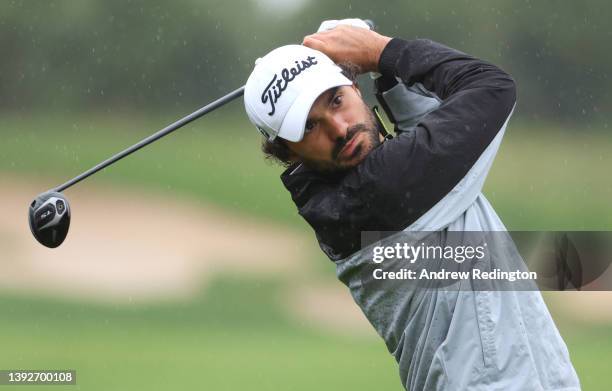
{"points": [[292, 128]]}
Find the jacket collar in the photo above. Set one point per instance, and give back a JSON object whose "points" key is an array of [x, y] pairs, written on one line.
{"points": [[302, 181]]}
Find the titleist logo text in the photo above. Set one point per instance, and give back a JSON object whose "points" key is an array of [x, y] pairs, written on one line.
{"points": [[277, 85]]}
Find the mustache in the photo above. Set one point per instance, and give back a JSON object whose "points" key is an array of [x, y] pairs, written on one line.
{"points": [[350, 133]]}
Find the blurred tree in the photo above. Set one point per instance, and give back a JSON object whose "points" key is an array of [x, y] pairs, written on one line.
{"points": [[155, 54]]}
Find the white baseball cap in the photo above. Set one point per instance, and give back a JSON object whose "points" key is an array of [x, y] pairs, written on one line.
{"points": [[283, 86]]}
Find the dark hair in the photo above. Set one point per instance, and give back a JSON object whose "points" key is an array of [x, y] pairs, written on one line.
{"points": [[277, 151]]}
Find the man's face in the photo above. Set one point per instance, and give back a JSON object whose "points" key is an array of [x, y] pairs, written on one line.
{"points": [[340, 131]]}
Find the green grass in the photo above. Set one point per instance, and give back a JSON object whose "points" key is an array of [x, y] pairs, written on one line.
{"points": [[543, 177], [233, 337], [551, 178], [589, 344], [211, 159], [590, 349]]}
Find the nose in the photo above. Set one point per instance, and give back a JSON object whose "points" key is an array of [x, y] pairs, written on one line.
{"points": [[336, 127]]}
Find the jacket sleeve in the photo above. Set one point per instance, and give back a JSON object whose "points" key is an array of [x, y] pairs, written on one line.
{"points": [[406, 176]]}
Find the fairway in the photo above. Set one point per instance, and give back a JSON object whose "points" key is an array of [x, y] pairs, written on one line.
{"points": [[540, 178], [233, 336]]}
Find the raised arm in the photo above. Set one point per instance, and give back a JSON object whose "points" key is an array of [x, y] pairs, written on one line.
{"points": [[403, 178]]}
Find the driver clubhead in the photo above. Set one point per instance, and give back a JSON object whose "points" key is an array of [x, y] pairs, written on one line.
{"points": [[49, 216]]}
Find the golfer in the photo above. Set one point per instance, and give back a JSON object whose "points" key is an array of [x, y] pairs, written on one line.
{"points": [[346, 175]]}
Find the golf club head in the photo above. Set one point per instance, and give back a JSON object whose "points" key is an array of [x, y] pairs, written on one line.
{"points": [[49, 216]]}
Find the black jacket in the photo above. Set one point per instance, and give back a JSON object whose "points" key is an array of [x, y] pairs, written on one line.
{"points": [[404, 177]]}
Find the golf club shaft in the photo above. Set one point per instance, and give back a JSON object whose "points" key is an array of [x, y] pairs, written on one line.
{"points": [[154, 137]]}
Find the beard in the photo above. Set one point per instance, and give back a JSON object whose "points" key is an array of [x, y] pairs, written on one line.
{"points": [[371, 139]]}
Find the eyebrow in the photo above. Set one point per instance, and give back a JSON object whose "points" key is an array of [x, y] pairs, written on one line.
{"points": [[332, 93]]}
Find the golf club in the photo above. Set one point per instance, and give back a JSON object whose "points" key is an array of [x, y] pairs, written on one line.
{"points": [[49, 212]]}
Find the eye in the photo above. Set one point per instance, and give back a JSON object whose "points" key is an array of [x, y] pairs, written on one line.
{"points": [[309, 126], [337, 101]]}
